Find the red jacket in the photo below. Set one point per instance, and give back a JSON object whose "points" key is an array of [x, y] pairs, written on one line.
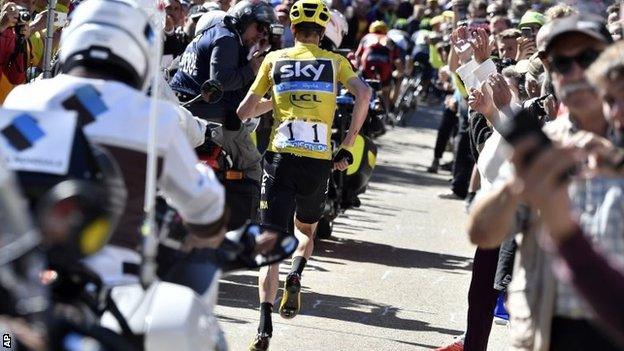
{"points": [[12, 66]]}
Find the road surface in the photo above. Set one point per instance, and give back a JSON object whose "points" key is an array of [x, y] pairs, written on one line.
{"points": [[395, 274]]}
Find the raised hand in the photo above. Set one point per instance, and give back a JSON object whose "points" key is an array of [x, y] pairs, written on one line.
{"points": [[501, 93], [459, 40], [481, 46], [481, 101], [8, 16], [526, 48]]}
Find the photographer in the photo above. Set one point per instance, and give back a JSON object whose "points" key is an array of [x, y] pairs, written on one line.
{"points": [[12, 57], [221, 52], [598, 276]]}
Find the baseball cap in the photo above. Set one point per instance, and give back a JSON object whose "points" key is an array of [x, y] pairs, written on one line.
{"points": [[532, 17], [591, 26]]}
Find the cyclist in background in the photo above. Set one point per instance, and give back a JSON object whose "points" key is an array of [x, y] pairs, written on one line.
{"points": [[377, 56]]}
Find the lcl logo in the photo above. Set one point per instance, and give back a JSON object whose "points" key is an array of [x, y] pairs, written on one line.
{"points": [[298, 99]]}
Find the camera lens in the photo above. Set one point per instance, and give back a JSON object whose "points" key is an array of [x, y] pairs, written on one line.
{"points": [[23, 16]]}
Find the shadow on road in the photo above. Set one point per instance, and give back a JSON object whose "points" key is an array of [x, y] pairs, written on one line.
{"points": [[240, 291], [426, 116], [363, 251], [400, 175]]}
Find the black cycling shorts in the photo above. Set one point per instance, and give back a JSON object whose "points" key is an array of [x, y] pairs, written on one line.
{"points": [[292, 184]]}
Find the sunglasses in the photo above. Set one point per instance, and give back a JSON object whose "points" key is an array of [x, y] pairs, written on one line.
{"points": [[563, 64]]}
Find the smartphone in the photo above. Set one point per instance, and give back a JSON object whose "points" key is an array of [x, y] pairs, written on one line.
{"points": [[527, 32]]}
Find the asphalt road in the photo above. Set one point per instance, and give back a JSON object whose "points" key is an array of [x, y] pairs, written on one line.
{"points": [[395, 274]]}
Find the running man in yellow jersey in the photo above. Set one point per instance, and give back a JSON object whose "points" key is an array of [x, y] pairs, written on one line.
{"points": [[303, 81]]}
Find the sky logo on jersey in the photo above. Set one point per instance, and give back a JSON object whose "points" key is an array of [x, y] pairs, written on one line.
{"points": [[23, 132], [87, 102], [304, 75]]}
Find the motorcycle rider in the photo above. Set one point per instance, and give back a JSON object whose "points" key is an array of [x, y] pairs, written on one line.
{"points": [[303, 81], [230, 52], [106, 59]]}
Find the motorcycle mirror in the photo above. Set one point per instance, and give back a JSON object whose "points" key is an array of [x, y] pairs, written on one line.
{"points": [[211, 91], [238, 249]]}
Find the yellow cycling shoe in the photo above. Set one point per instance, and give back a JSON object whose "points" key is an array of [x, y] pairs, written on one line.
{"points": [[291, 300], [260, 342]]}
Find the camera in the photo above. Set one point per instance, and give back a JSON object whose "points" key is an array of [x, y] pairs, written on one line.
{"points": [[523, 124], [23, 15]]}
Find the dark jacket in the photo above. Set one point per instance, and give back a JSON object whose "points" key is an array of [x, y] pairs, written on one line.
{"points": [[216, 54]]}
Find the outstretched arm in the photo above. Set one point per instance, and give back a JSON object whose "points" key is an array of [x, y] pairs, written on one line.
{"points": [[253, 106]]}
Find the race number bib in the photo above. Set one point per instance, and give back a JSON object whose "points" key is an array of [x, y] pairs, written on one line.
{"points": [[311, 136], [37, 141]]}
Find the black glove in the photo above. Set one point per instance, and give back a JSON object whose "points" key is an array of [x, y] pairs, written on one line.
{"points": [[343, 154]]}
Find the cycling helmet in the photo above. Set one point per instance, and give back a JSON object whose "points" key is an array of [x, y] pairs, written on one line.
{"points": [[114, 34], [247, 12], [337, 28], [310, 11], [379, 27]]}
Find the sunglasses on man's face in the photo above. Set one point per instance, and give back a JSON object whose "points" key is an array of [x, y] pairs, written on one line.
{"points": [[563, 64]]}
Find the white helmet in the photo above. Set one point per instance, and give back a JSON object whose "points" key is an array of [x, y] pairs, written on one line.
{"points": [[336, 28], [113, 34]]}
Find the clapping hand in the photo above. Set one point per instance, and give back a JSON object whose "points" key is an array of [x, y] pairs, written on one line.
{"points": [[481, 45], [481, 101], [501, 93], [461, 44]]}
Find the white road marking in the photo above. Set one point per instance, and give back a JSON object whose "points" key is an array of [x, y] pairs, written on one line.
{"points": [[317, 303]]}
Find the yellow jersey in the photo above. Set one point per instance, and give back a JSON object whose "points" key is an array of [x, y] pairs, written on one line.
{"points": [[304, 83]]}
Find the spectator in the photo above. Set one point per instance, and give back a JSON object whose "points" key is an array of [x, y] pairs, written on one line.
{"points": [[383, 11], [175, 38], [13, 54], [477, 9], [558, 11], [507, 44], [496, 9], [517, 10], [283, 16], [615, 29], [498, 24], [358, 23], [552, 318]]}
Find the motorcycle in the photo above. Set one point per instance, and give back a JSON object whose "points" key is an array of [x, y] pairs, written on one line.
{"points": [[344, 187]]}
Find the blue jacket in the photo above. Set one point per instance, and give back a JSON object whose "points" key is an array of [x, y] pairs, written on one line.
{"points": [[217, 53]]}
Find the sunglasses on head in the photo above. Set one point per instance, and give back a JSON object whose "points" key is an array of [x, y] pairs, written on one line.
{"points": [[563, 64]]}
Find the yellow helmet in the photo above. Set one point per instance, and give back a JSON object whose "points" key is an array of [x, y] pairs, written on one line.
{"points": [[313, 11], [378, 27]]}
